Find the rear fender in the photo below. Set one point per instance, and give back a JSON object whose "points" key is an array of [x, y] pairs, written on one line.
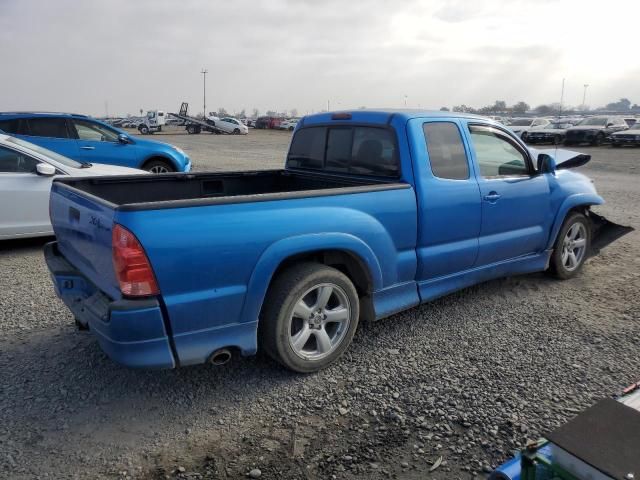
{"points": [[278, 252]]}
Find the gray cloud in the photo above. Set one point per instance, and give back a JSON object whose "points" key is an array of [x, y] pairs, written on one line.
{"points": [[75, 55]]}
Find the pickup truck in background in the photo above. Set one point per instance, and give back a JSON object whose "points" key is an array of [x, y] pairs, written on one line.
{"points": [[375, 212]]}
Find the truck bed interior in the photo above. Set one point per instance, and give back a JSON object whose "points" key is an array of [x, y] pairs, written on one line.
{"points": [[151, 189]]}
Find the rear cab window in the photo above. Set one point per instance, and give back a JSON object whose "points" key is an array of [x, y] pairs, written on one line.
{"points": [[48, 127], [447, 155], [358, 150]]}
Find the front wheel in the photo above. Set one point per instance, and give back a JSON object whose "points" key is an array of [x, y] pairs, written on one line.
{"points": [[143, 129], [571, 247], [236, 131], [158, 166], [309, 317]]}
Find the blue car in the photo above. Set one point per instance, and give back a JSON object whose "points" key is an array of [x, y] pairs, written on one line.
{"points": [[88, 140], [374, 212]]}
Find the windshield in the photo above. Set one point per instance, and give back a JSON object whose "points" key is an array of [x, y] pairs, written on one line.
{"points": [[520, 122], [47, 153], [599, 121]]}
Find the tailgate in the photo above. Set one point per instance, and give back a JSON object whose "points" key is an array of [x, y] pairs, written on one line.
{"points": [[82, 224]]}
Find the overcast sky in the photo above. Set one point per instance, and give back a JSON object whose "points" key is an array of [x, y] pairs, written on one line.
{"points": [[80, 55]]}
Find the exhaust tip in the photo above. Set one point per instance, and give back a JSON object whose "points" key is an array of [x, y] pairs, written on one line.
{"points": [[220, 357]]}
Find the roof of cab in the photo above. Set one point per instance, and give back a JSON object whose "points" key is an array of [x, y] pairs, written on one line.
{"points": [[383, 116]]}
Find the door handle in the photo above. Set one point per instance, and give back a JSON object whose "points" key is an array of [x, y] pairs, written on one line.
{"points": [[87, 148], [492, 197]]}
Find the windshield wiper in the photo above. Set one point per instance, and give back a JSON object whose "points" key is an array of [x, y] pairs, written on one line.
{"points": [[86, 165]]}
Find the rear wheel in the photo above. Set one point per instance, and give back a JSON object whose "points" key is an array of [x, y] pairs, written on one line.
{"points": [[571, 247], [309, 317], [158, 166], [598, 140], [191, 129], [143, 129]]}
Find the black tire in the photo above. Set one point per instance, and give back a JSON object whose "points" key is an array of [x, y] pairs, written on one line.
{"points": [[524, 136], [158, 166], [557, 267], [557, 140], [236, 131], [143, 129], [191, 129], [276, 318], [596, 142], [291, 129], [615, 145]]}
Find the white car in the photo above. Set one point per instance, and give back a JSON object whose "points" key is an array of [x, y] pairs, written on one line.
{"points": [[289, 124], [229, 125], [520, 126], [26, 174]]}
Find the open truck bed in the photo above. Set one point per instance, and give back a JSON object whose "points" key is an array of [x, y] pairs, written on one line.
{"points": [[183, 190]]}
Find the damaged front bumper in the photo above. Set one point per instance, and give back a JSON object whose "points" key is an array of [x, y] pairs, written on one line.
{"points": [[604, 232]]}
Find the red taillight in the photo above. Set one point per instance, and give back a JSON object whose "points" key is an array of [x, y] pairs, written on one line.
{"points": [[132, 266]]}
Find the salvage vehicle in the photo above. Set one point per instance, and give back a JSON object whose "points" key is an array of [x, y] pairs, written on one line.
{"points": [[268, 122], [26, 173], [629, 137], [88, 140], [374, 212], [231, 125], [289, 125], [594, 130], [553, 134], [522, 126]]}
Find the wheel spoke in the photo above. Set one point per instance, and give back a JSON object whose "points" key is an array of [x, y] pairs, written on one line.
{"points": [[338, 315], [300, 339], [581, 242], [573, 231], [565, 255], [573, 261], [302, 310], [323, 341], [324, 293]]}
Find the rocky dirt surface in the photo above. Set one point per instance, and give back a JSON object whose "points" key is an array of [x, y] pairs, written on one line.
{"points": [[446, 390]]}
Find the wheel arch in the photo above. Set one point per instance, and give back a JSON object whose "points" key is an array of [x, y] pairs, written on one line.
{"points": [[162, 158], [344, 252], [575, 203]]}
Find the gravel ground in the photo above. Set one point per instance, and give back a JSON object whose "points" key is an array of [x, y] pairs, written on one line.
{"points": [[465, 379]]}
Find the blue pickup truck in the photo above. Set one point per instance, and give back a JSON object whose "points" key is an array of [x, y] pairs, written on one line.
{"points": [[375, 212]]}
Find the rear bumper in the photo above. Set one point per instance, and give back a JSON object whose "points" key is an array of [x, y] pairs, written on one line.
{"points": [[131, 332]]}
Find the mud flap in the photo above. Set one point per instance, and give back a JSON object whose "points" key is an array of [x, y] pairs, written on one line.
{"points": [[604, 232]]}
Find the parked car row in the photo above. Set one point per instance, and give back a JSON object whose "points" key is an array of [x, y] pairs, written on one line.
{"points": [[595, 130]]}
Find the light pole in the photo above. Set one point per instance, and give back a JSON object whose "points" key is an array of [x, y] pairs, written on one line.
{"points": [[204, 91], [405, 100], [584, 95]]}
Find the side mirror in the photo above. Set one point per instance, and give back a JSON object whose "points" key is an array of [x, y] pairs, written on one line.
{"points": [[45, 170], [610, 125], [122, 138], [546, 163]]}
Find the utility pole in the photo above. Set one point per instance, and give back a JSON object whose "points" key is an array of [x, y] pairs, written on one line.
{"points": [[561, 98], [204, 91], [584, 95], [405, 100], [328, 106]]}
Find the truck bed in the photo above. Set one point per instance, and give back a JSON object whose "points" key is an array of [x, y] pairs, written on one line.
{"points": [[141, 192]]}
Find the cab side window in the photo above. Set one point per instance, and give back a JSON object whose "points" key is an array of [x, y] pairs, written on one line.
{"points": [[497, 154], [446, 151], [12, 161]]}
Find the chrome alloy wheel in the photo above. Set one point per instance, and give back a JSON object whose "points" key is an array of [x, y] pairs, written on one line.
{"points": [[159, 169], [319, 321], [574, 246]]}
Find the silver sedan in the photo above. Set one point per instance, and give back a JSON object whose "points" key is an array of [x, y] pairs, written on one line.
{"points": [[26, 174]]}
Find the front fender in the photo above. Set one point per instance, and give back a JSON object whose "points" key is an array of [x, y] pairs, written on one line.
{"points": [[572, 201], [279, 251]]}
